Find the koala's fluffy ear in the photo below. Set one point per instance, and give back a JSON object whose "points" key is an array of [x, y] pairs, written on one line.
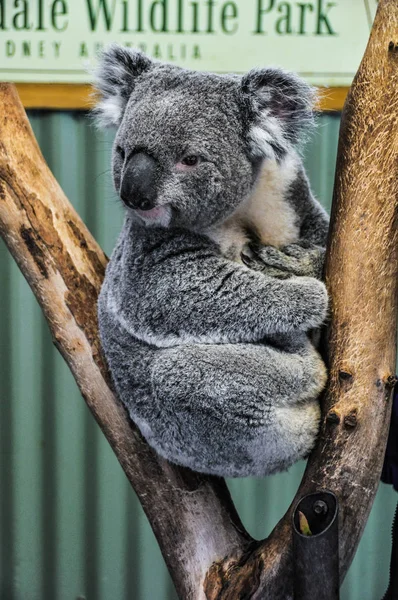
{"points": [[114, 80], [282, 106]]}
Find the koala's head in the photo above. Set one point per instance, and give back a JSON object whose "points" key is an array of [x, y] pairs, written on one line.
{"points": [[189, 145]]}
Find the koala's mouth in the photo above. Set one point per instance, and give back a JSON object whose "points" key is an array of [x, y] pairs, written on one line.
{"points": [[158, 215]]}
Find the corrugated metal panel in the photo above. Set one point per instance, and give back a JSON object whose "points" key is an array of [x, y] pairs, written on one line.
{"points": [[70, 526]]}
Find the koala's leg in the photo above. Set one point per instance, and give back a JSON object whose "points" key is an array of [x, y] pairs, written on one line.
{"points": [[236, 410]]}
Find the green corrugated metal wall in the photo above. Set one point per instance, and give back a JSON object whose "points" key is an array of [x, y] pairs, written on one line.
{"points": [[70, 526]]}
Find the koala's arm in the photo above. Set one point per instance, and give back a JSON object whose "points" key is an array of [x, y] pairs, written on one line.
{"points": [[196, 297]]}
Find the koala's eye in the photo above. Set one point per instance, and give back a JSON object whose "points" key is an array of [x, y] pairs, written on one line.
{"points": [[120, 152], [190, 161]]}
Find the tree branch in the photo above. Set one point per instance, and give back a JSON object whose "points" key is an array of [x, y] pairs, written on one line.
{"points": [[192, 516]]}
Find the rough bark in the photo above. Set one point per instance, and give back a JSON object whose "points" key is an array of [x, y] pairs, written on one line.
{"points": [[192, 516]]}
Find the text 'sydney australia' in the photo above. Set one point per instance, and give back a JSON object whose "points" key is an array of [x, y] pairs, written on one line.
{"points": [[52, 41]]}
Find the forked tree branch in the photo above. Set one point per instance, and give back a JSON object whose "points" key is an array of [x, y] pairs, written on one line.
{"points": [[208, 552]]}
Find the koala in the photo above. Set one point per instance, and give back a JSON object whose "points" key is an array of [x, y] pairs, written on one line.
{"points": [[214, 286]]}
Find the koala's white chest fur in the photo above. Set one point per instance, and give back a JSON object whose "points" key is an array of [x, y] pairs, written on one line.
{"points": [[266, 212]]}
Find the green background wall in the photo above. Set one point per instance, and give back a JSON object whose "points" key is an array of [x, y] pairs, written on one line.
{"points": [[70, 526]]}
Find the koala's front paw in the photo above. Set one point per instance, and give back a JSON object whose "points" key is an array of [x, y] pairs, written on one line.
{"points": [[308, 258], [294, 259], [251, 260], [310, 302]]}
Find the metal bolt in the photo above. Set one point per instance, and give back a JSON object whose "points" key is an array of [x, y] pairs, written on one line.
{"points": [[320, 507]]}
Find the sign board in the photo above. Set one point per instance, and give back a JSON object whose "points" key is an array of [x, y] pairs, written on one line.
{"points": [[56, 40]]}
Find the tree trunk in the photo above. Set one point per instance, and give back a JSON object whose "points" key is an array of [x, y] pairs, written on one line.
{"points": [[207, 550]]}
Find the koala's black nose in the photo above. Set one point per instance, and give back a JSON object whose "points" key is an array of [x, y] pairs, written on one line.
{"points": [[138, 186]]}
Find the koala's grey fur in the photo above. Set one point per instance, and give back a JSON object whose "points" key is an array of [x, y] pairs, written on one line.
{"points": [[209, 297]]}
